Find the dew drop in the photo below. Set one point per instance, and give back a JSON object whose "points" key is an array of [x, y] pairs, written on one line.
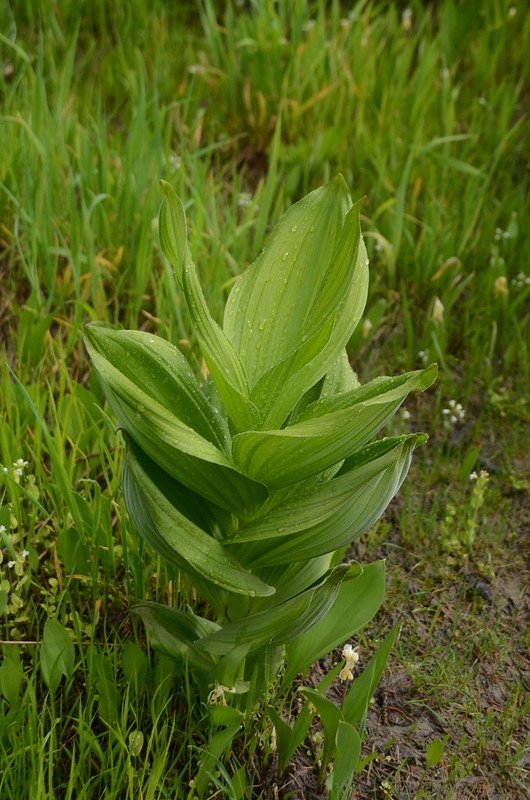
{"points": [[262, 324], [285, 256], [294, 228]]}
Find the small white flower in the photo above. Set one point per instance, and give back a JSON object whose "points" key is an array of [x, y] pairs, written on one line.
{"points": [[196, 69], [512, 11], [5, 470], [2, 528], [446, 411], [175, 161], [310, 23], [367, 327], [452, 403], [19, 466], [473, 476], [406, 19], [405, 414], [351, 656], [25, 553], [10, 564], [244, 199], [349, 652], [217, 695], [453, 419], [437, 311]]}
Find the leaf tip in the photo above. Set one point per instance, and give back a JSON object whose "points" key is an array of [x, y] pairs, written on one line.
{"points": [[429, 376]]}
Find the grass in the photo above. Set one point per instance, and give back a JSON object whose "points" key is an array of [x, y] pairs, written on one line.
{"points": [[244, 109]]}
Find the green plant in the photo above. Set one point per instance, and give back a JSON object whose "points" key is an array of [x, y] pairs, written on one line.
{"points": [[255, 481]]}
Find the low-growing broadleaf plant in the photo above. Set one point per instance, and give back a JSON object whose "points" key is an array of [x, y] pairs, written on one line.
{"points": [[254, 481]]}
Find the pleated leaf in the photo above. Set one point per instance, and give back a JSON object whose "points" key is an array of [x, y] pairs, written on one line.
{"points": [[174, 632], [269, 307], [162, 372], [143, 407], [337, 512], [172, 229], [177, 538], [336, 311], [356, 603], [222, 359], [329, 431], [281, 623]]}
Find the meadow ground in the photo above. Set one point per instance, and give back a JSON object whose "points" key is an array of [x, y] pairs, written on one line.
{"points": [[244, 108]]}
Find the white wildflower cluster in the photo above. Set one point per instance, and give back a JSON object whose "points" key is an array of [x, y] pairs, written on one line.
{"points": [[17, 469], [483, 474], [18, 563], [423, 356], [351, 657], [453, 413], [196, 69], [175, 161], [520, 280], [19, 466], [500, 234], [244, 199]]}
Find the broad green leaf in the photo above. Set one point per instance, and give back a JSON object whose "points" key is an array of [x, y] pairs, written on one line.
{"points": [[347, 749], [176, 537], [337, 512], [174, 632], [270, 303], [356, 603], [109, 698], [337, 310], [340, 378], [329, 431], [281, 623], [283, 734], [11, 673], [135, 665], [434, 753], [162, 372], [356, 702], [381, 390], [56, 654], [221, 716], [222, 359], [290, 580], [330, 717], [174, 445]]}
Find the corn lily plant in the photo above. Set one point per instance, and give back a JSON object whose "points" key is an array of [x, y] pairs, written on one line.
{"points": [[255, 481]]}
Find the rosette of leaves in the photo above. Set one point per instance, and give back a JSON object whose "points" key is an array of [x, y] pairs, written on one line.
{"points": [[254, 481]]}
